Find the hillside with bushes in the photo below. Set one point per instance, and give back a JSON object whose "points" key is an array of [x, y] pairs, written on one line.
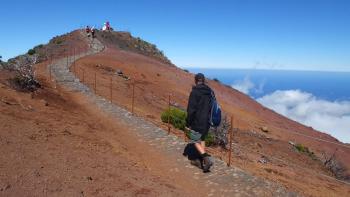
{"points": [[265, 144]]}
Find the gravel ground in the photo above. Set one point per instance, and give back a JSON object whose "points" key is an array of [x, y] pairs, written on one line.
{"points": [[222, 180]]}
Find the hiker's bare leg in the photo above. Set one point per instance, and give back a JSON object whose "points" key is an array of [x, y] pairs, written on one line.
{"points": [[203, 145], [199, 148]]}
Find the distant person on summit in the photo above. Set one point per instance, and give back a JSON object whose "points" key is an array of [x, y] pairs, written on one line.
{"points": [[107, 26], [198, 115]]}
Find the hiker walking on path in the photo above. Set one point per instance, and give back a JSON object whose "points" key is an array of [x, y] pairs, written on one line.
{"points": [[87, 30], [198, 115], [93, 32]]}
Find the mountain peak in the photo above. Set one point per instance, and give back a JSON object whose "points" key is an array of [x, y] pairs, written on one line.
{"points": [[125, 41]]}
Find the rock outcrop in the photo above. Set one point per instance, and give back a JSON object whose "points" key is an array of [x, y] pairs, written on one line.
{"points": [[125, 41]]}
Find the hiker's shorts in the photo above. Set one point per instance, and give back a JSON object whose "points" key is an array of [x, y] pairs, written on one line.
{"points": [[195, 136]]}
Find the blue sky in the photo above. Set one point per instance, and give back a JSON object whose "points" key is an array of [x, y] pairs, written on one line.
{"points": [[263, 34]]}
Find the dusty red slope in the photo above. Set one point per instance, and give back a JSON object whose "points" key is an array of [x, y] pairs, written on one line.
{"points": [[52, 145], [156, 80]]}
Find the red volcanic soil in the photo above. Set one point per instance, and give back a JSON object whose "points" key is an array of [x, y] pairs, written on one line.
{"points": [[62, 46], [156, 80], [54, 144]]}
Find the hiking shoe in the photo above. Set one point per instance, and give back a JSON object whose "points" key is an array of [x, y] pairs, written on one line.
{"points": [[197, 163], [207, 163]]}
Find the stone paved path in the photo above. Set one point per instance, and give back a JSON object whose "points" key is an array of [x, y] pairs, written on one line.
{"points": [[221, 181]]}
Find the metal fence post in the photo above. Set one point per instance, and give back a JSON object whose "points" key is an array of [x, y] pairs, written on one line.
{"points": [[74, 60], [230, 147], [169, 115], [68, 56], [50, 66], [83, 75], [133, 98], [50, 72], [111, 89], [95, 84]]}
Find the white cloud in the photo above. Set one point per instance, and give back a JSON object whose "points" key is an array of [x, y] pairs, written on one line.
{"points": [[260, 88], [244, 85], [326, 116], [247, 86]]}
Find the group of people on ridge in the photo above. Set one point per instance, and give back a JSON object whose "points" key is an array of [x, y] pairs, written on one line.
{"points": [[90, 31]]}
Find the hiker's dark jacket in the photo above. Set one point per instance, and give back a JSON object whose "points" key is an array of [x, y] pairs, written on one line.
{"points": [[198, 109]]}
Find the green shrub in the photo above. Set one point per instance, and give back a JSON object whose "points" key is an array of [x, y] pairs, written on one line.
{"points": [[299, 147], [39, 46], [303, 149], [177, 117], [186, 70], [31, 52], [58, 41], [217, 80], [210, 139]]}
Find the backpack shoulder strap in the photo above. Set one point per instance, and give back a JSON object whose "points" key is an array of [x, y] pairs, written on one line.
{"points": [[213, 94]]}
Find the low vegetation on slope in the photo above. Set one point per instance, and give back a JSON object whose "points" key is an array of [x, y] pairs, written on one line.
{"points": [[2, 64], [125, 41], [58, 46], [257, 152]]}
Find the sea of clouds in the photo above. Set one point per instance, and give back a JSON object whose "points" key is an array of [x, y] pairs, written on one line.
{"points": [[247, 86], [332, 117]]}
